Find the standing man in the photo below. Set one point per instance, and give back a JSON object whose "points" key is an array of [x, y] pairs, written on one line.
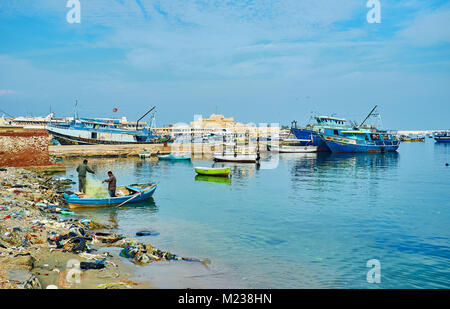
{"points": [[82, 169], [111, 184]]}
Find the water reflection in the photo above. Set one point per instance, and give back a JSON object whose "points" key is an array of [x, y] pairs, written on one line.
{"points": [[325, 162], [109, 215], [239, 170], [215, 179]]}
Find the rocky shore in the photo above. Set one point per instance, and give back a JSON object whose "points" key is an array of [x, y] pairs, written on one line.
{"points": [[45, 245]]}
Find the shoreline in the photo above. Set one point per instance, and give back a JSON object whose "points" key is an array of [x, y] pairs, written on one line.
{"points": [[32, 218]]}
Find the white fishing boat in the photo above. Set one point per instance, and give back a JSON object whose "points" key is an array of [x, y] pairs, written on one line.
{"points": [[292, 149], [235, 157]]}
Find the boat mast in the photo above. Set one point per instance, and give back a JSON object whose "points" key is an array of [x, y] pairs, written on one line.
{"points": [[367, 116], [75, 110], [137, 123]]}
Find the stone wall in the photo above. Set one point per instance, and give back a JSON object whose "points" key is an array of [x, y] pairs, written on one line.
{"points": [[24, 148]]}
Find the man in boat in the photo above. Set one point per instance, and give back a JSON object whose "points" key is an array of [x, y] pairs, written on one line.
{"points": [[82, 169], [111, 184]]}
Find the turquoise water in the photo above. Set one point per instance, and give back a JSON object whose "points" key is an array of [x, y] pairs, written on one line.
{"points": [[312, 222]]}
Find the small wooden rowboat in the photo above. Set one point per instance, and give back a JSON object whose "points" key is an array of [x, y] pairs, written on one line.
{"points": [[145, 154], [137, 192], [213, 171], [238, 158], [175, 156]]}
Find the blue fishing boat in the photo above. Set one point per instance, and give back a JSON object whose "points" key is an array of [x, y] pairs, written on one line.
{"points": [[86, 131], [310, 135], [134, 193], [175, 156], [359, 140], [442, 137]]}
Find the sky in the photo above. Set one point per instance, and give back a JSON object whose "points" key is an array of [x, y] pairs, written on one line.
{"points": [[260, 61]]}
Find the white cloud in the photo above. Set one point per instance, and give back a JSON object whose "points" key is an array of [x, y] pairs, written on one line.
{"points": [[428, 29]]}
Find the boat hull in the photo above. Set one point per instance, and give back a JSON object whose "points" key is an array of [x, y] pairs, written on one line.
{"points": [[76, 202], [422, 139], [222, 172], [72, 140], [442, 139], [310, 138], [293, 149], [237, 159], [337, 144], [172, 157]]}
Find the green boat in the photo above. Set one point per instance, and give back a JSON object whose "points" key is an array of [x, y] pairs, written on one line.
{"points": [[213, 171]]}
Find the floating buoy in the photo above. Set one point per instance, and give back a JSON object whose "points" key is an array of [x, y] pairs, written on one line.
{"points": [[115, 109]]}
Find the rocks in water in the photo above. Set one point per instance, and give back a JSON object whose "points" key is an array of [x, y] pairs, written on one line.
{"points": [[147, 233]]}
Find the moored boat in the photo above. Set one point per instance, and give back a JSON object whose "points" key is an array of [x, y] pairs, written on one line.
{"points": [[86, 131], [133, 193], [310, 135], [175, 156], [213, 171], [357, 140], [239, 158], [405, 138], [442, 137], [144, 154], [292, 149]]}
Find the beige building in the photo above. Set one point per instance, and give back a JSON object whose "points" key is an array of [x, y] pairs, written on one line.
{"points": [[218, 125]]}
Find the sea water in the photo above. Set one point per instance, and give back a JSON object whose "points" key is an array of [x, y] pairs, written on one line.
{"points": [[314, 221]]}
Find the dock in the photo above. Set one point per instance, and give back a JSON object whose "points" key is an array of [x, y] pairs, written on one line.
{"points": [[129, 150]]}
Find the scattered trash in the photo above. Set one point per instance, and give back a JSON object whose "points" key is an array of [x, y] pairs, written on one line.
{"points": [[34, 216]]}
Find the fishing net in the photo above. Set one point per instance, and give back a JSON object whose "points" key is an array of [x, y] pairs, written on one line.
{"points": [[95, 189]]}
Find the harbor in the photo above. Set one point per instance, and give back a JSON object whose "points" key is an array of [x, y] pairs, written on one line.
{"points": [[311, 232], [229, 152], [240, 172]]}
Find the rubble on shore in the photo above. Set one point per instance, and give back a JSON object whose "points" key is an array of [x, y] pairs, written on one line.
{"points": [[45, 245]]}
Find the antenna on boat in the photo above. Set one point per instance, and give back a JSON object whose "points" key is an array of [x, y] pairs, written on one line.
{"points": [[368, 116], [75, 110], [137, 123]]}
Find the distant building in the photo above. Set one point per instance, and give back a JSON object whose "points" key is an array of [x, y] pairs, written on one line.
{"points": [[215, 125]]}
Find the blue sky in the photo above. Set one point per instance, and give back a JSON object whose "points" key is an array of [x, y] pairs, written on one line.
{"points": [[256, 60]]}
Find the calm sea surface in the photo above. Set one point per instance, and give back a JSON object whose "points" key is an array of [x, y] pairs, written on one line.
{"points": [[312, 222]]}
